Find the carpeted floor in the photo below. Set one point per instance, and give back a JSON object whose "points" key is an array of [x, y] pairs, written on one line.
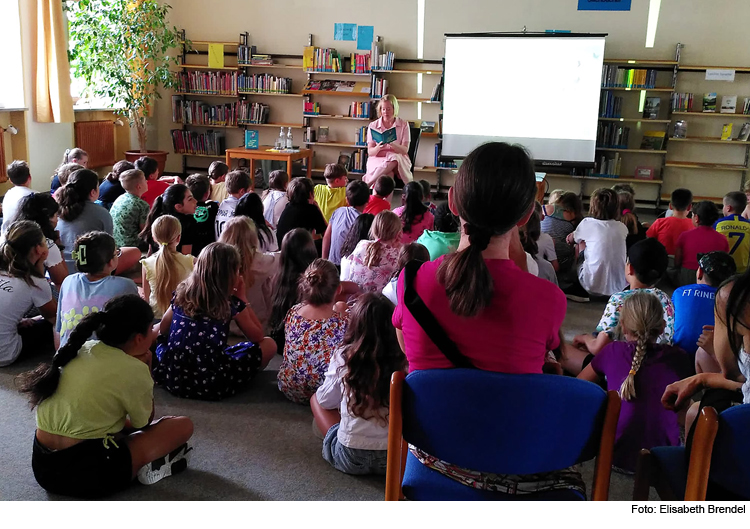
{"points": [[256, 446]]}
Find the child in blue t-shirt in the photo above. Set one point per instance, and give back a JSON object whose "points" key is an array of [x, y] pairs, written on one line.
{"points": [[694, 304]]}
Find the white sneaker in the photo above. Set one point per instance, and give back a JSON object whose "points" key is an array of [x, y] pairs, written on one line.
{"points": [[173, 463]]}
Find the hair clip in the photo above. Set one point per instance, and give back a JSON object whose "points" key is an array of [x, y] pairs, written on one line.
{"points": [[164, 243], [80, 255]]}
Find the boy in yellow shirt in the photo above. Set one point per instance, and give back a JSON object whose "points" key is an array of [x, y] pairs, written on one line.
{"points": [[332, 196]]}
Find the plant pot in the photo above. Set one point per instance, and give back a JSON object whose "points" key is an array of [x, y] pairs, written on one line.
{"points": [[159, 156]]}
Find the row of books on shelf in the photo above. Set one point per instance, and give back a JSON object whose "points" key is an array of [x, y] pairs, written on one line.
{"points": [[612, 135], [316, 59], [437, 91], [360, 63], [311, 108], [683, 102], [378, 87], [360, 109], [610, 106], [609, 166], [357, 161], [331, 85], [217, 83], [440, 163], [260, 60], [360, 136], [200, 113], [264, 83], [384, 61], [210, 143], [253, 113], [617, 77]]}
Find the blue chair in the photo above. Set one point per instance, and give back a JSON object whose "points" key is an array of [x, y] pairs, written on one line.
{"points": [[499, 423], [717, 457]]}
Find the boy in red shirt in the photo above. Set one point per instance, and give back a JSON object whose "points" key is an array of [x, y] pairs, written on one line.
{"points": [[381, 200], [668, 229]]}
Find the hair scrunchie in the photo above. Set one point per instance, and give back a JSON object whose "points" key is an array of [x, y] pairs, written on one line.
{"points": [[478, 237]]}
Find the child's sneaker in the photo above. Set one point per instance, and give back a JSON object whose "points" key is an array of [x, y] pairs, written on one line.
{"points": [[173, 463], [577, 293]]}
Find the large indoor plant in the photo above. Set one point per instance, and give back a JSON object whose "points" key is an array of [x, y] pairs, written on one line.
{"points": [[125, 51]]}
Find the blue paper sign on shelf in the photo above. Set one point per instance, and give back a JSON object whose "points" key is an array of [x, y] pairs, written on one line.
{"points": [[344, 31], [604, 5], [251, 139], [364, 37]]}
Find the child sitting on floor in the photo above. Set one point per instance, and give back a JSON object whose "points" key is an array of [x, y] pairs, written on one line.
{"points": [[646, 264], [251, 207], [217, 173], [560, 224], [445, 237], [427, 196], [641, 369], [96, 256], [332, 195], [694, 305], [110, 189], [129, 212], [302, 212], [413, 251], [735, 228], [74, 156], [360, 231], [314, 329], [530, 234], [600, 249], [194, 358], [274, 198], [372, 263], [666, 230], [167, 268], [357, 195], [156, 186], [701, 240], [351, 406], [380, 200], [205, 211], [94, 402], [636, 231], [415, 216], [552, 203], [238, 183], [179, 202]]}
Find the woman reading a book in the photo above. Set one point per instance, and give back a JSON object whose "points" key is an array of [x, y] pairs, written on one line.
{"points": [[388, 144]]}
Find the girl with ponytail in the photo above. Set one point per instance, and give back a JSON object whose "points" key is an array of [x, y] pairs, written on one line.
{"points": [[195, 359], [179, 202], [167, 268], [111, 187], [373, 262], [90, 399], [314, 329], [71, 157], [22, 286], [415, 216], [639, 369]]}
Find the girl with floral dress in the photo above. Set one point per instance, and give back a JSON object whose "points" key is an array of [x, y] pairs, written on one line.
{"points": [[314, 329], [194, 359], [373, 262]]}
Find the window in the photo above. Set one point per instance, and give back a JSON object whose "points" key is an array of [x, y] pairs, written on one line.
{"points": [[11, 59]]}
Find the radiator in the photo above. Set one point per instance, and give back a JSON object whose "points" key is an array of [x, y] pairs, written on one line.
{"points": [[97, 138]]}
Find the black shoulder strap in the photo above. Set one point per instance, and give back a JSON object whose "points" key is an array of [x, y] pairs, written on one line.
{"points": [[427, 320]]}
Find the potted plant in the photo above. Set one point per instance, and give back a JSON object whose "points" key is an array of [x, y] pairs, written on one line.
{"points": [[121, 48]]}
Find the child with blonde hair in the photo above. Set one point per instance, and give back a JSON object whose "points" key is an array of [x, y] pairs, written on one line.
{"points": [[640, 369], [167, 268], [351, 407], [194, 357], [313, 329], [258, 268], [552, 205], [373, 262]]}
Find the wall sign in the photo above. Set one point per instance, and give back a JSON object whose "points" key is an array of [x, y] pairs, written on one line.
{"points": [[604, 5]]}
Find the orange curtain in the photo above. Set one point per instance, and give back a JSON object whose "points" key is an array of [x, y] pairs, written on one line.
{"points": [[52, 100]]}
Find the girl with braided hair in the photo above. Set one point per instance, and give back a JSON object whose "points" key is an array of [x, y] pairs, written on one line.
{"points": [[640, 369], [373, 262], [95, 408]]}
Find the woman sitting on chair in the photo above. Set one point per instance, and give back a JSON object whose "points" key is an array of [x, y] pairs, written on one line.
{"points": [[390, 159]]}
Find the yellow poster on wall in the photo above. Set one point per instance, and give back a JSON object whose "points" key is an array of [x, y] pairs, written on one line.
{"points": [[216, 56]]}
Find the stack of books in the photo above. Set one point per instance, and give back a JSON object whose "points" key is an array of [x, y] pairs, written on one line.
{"points": [[616, 77], [261, 60], [216, 83], [252, 113], [210, 143], [200, 113], [381, 60], [264, 83], [311, 109]]}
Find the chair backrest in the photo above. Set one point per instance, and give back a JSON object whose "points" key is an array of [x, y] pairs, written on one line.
{"points": [[506, 424], [414, 134], [730, 468]]}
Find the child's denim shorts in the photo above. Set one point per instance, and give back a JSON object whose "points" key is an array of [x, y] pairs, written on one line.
{"points": [[352, 460]]}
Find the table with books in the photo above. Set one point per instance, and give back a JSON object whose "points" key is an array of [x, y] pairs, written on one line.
{"points": [[267, 152]]}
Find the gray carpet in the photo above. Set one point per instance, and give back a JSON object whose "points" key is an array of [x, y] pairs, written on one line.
{"points": [[255, 446]]}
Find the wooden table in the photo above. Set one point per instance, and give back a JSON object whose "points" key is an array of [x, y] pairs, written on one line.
{"points": [[264, 153]]}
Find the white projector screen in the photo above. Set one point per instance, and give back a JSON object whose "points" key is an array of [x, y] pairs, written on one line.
{"points": [[541, 92]]}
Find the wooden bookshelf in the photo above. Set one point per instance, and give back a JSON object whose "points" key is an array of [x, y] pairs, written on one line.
{"points": [[619, 179], [334, 144], [636, 120], [640, 62], [272, 66], [272, 94], [239, 125], [716, 141], [716, 200], [349, 74], [233, 96], [713, 115], [641, 151], [433, 169], [199, 67], [429, 134], [706, 166], [425, 72], [207, 42], [631, 89], [413, 100], [698, 68], [335, 93], [206, 126], [276, 125], [329, 116]]}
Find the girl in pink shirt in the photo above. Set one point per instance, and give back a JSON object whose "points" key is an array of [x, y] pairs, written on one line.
{"points": [[415, 216], [373, 262]]}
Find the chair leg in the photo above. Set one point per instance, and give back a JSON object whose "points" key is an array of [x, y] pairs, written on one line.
{"points": [[642, 485]]}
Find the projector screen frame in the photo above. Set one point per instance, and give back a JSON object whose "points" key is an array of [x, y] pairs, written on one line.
{"points": [[539, 163]]}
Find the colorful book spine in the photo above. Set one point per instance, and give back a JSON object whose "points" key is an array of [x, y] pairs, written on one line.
{"points": [[311, 109], [209, 83], [209, 143]]}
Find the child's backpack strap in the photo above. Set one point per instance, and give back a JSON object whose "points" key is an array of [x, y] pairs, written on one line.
{"points": [[427, 320]]}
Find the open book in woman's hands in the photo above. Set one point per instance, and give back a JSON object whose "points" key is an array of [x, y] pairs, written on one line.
{"points": [[387, 136]]}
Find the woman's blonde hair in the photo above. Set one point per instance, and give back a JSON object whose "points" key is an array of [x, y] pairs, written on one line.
{"points": [[385, 228], [642, 316], [166, 231], [555, 195], [208, 290], [392, 100], [241, 233]]}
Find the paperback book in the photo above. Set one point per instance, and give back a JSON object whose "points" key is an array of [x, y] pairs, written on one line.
{"points": [[387, 136], [744, 132], [728, 104], [680, 129], [726, 131], [651, 108], [709, 102], [653, 140]]}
